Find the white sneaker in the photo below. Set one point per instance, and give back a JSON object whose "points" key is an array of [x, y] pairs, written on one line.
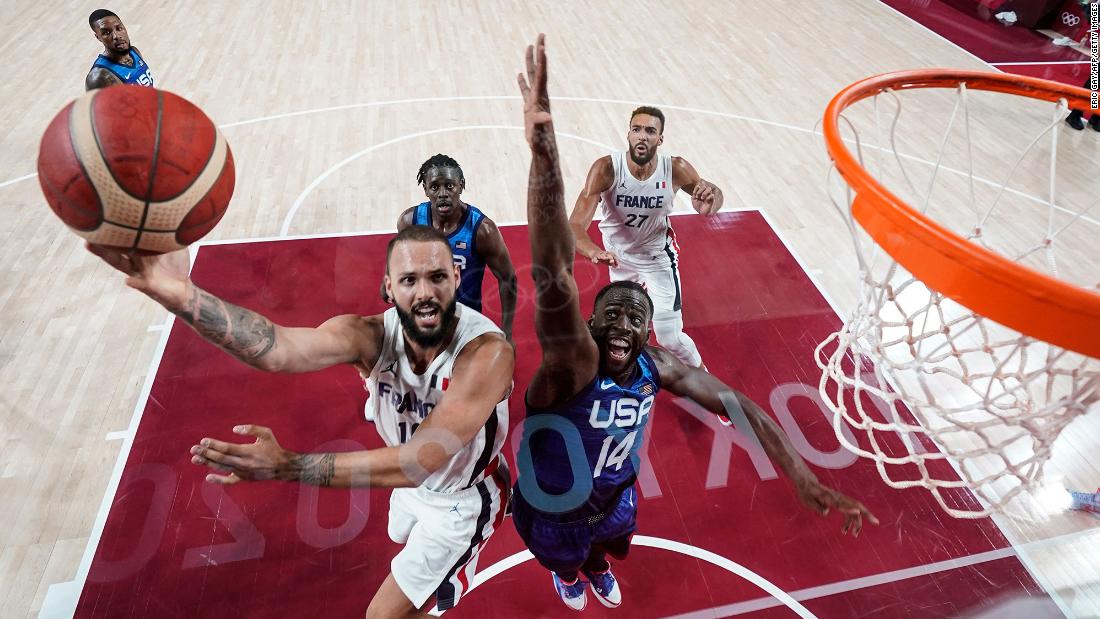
{"points": [[573, 594], [605, 587]]}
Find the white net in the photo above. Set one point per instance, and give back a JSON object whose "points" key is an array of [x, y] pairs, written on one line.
{"points": [[938, 396]]}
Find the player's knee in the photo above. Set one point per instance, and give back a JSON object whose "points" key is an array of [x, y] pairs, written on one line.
{"points": [[669, 330], [670, 335]]}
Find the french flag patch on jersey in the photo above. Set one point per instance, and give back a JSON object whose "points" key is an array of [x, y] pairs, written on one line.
{"points": [[440, 382], [661, 184]]}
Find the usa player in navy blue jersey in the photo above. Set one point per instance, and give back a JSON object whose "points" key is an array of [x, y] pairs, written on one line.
{"points": [[120, 63], [592, 396], [475, 240]]}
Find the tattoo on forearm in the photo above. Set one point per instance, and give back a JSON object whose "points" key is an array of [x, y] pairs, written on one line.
{"points": [[243, 333], [315, 469]]}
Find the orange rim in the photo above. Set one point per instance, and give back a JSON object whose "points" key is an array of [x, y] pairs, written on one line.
{"points": [[987, 283]]}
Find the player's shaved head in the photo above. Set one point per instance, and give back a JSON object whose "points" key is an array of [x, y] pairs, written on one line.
{"points": [[419, 234], [624, 285], [99, 14]]}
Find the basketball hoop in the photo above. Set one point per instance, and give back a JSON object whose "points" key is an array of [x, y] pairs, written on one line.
{"points": [[977, 332]]}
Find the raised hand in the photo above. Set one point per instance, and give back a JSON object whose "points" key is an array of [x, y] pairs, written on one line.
{"points": [[536, 100], [703, 196], [822, 498], [161, 276]]}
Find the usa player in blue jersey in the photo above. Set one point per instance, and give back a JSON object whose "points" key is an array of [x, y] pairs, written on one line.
{"points": [[120, 63], [591, 398], [475, 240]]}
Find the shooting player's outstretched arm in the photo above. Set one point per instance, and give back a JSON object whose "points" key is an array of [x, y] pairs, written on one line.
{"points": [[569, 355], [247, 335]]}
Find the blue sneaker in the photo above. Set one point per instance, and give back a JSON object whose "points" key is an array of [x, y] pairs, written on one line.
{"points": [[572, 594], [1086, 501], [605, 587]]}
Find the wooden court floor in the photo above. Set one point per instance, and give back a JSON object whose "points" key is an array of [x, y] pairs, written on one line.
{"points": [[330, 108]]}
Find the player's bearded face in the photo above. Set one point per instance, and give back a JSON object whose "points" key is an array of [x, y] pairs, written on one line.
{"points": [[643, 138], [427, 337], [422, 278]]}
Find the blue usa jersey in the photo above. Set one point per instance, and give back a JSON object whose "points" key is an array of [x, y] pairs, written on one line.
{"points": [[138, 74], [463, 245], [583, 454]]}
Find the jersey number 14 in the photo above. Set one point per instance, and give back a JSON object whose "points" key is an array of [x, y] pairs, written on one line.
{"points": [[614, 457]]}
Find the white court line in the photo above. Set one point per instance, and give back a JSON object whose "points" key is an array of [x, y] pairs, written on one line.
{"points": [[16, 180], [937, 35], [499, 224], [1026, 64], [154, 328], [779, 596], [285, 230], [748, 606], [882, 578], [61, 598], [114, 436]]}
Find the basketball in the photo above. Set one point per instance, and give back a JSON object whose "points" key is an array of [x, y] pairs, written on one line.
{"points": [[137, 168]]}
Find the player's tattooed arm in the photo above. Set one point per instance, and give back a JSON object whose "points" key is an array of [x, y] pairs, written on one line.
{"points": [[264, 459], [256, 340], [242, 333], [99, 77], [314, 469]]}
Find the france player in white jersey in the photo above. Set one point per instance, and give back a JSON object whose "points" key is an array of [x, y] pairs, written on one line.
{"points": [[442, 374], [635, 190]]}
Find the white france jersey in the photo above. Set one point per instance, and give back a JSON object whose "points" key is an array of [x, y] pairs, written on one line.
{"points": [[401, 400], [635, 212]]}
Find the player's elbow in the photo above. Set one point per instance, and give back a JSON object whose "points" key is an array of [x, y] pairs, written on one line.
{"points": [[429, 451], [547, 278]]}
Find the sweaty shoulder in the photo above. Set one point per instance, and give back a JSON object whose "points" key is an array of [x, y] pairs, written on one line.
{"points": [[486, 352], [367, 333], [683, 173], [99, 77], [406, 218], [486, 229], [602, 173], [669, 369]]}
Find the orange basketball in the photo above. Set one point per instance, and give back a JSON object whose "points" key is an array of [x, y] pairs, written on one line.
{"points": [[136, 167]]}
